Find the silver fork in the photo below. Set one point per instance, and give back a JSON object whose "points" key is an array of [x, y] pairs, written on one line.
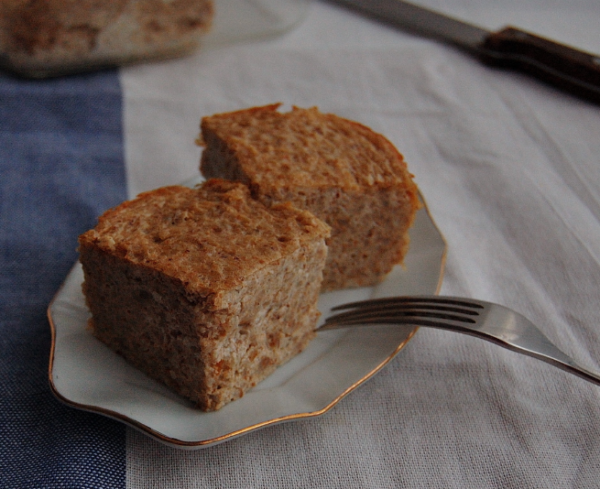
{"points": [[484, 320]]}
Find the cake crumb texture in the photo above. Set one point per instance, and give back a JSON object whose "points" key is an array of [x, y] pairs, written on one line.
{"points": [[206, 290]]}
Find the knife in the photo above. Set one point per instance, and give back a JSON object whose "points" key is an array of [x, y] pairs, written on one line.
{"points": [[564, 67]]}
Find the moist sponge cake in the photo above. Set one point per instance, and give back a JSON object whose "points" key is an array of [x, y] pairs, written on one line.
{"points": [[206, 290], [349, 176]]}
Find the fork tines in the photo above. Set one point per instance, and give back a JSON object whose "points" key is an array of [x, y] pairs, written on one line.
{"points": [[425, 311]]}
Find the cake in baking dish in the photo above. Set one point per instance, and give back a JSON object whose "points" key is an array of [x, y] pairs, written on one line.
{"points": [[206, 290], [346, 174], [52, 37]]}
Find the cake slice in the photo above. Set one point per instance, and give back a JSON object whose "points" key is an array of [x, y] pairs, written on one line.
{"points": [[349, 176], [205, 290]]}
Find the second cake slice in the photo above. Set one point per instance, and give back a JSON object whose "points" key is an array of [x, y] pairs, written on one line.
{"points": [[346, 174]]}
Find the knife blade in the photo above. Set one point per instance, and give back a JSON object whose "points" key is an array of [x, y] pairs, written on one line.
{"points": [[562, 66]]}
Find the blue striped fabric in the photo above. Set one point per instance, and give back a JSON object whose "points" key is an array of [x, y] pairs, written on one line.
{"points": [[61, 165]]}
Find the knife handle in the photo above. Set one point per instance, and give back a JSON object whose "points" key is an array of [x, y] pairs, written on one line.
{"points": [[562, 66]]}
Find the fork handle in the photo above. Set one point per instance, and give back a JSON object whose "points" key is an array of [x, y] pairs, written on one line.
{"points": [[561, 361], [553, 355]]}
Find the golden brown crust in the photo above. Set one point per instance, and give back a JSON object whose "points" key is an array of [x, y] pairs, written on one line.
{"points": [[342, 171], [311, 149], [202, 236]]}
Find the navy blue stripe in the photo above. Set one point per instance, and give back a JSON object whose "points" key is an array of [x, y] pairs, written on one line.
{"points": [[61, 165]]}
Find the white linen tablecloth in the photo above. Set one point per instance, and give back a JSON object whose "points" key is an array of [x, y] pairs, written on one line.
{"points": [[510, 169]]}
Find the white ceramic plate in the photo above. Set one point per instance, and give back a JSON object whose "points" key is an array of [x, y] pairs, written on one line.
{"points": [[85, 374]]}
